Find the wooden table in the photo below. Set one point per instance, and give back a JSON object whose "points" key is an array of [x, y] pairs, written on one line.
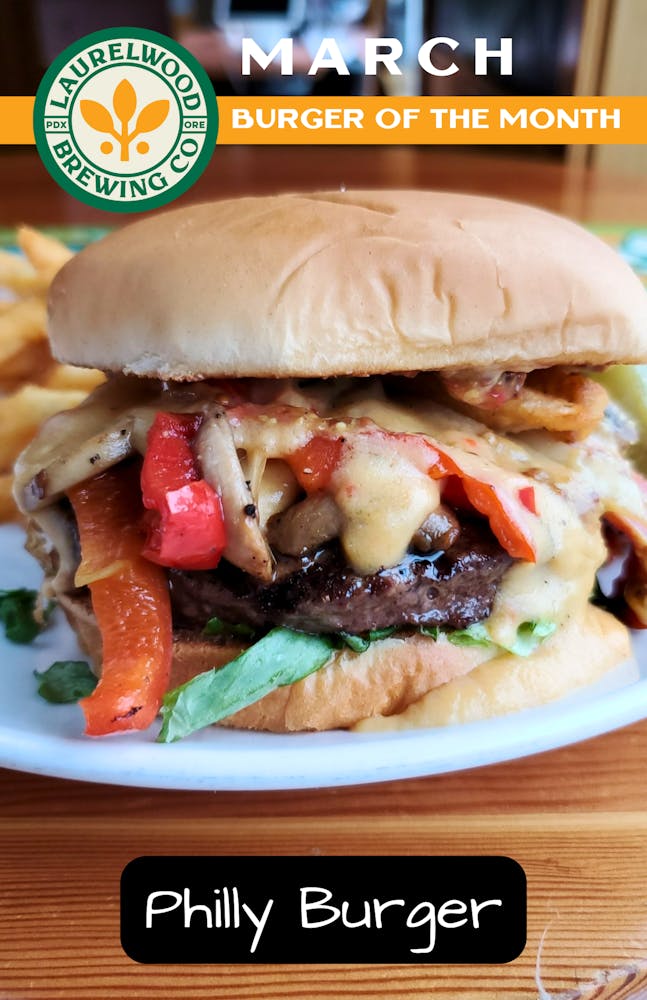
{"points": [[576, 819], [28, 194]]}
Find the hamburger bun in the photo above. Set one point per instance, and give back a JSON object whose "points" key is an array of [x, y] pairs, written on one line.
{"points": [[396, 677], [332, 284], [260, 287]]}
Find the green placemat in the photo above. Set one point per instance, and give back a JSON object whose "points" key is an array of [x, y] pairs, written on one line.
{"points": [[75, 236], [630, 241]]}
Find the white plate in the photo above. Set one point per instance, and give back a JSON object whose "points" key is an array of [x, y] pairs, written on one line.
{"points": [[46, 739]]}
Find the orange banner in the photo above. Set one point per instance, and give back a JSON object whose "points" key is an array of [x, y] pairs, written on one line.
{"points": [[249, 121], [430, 120], [15, 120]]}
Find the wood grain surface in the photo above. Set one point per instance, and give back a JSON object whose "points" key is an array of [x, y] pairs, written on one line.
{"points": [[28, 193], [576, 819]]}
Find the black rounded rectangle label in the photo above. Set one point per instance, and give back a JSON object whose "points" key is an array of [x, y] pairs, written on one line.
{"points": [[327, 909]]}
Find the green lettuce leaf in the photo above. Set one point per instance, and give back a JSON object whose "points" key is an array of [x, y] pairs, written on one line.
{"points": [[216, 626], [529, 636], [432, 631], [360, 643], [473, 635], [279, 658], [66, 681], [17, 615]]}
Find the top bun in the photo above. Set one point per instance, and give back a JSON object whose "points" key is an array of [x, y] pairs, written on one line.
{"points": [[357, 282]]}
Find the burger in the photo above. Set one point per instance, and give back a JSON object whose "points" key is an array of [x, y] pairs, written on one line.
{"points": [[354, 464]]}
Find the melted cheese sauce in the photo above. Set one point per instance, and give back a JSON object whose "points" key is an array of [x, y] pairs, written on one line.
{"points": [[569, 548], [383, 492], [559, 584], [578, 654], [384, 499]]}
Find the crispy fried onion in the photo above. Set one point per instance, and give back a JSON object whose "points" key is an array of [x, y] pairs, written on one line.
{"points": [[630, 589], [487, 388], [635, 592], [568, 404]]}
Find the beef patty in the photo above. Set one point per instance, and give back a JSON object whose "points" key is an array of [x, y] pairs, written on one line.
{"points": [[321, 593]]}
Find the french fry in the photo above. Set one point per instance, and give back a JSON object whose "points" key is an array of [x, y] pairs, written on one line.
{"points": [[46, 254], [22, 413], [68, 377], [8, 509], [18, 276], [36, 387], [23, 324], [32, 363]]}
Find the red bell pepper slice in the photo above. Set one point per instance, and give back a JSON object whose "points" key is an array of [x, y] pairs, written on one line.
{"points": [[493, 502], [509, 532], [130, 599], [487, 498], [171, 463], [314, 463], [454, 493], [186, 526], [527, 496]]}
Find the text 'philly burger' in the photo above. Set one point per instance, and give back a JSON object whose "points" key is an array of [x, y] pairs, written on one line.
{"points": [[354, 464]]}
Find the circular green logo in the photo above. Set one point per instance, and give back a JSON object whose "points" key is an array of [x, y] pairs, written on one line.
{"points": [[125, 119]]}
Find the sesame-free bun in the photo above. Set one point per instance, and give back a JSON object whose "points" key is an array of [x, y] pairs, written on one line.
{"points": [[395, 675], [362, 282]]}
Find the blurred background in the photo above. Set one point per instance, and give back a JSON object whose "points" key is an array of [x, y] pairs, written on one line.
{"points": [[560, 47]]}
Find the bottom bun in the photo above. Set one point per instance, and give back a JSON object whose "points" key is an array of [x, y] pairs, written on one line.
{"points": [[388, 677], [579, 653], [393, 683]]}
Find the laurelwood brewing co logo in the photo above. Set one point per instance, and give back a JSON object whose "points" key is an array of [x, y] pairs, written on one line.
{"points": [[125, 119]]}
